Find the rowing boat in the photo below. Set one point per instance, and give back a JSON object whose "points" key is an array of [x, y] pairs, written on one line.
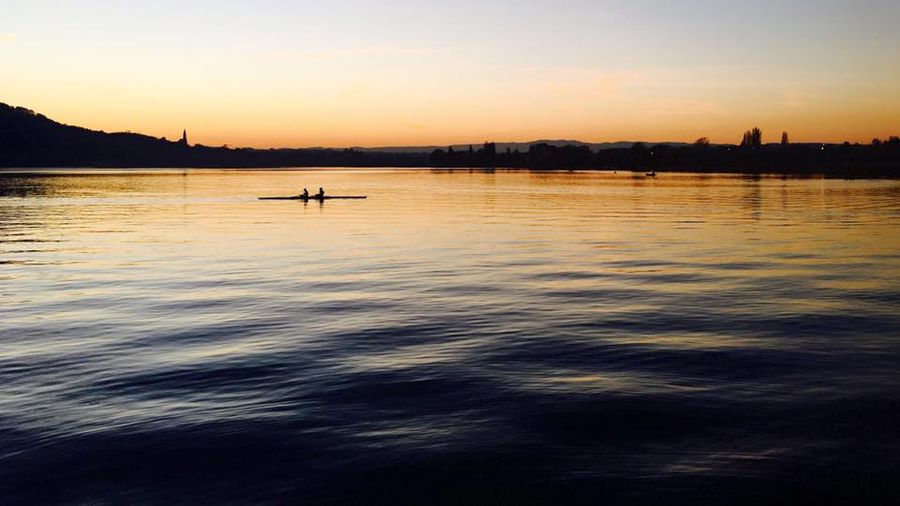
{"points": [[314, 197]]}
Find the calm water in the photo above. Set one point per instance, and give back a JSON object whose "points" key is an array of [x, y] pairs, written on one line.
{"points": [[469, 337]]}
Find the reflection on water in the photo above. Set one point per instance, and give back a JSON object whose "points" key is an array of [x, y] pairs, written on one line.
{"points": [[492, 337]]}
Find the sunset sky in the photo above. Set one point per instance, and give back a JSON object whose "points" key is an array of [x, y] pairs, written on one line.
{"points": [[404, 72]]}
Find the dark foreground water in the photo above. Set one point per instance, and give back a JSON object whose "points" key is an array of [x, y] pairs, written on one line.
{"points": [[461, 338]]}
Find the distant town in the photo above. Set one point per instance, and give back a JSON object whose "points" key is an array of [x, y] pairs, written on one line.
{"points": [[29, 139]]}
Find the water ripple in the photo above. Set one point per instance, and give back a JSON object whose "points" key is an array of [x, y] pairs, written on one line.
{"points": [[166, 338]]}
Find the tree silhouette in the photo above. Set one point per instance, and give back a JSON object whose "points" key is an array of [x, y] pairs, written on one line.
{"points": [[489, 154], [28, 139], [752, 138]]}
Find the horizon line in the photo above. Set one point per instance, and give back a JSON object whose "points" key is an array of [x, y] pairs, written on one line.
{"points": [[433, 146]]}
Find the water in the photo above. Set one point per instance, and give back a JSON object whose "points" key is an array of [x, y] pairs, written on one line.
{"points": [[465, 337]]}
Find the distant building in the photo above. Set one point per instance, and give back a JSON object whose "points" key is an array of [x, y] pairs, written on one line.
{"points": [[183, 141]]}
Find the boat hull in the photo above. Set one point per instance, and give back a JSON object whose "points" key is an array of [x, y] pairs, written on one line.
{"points": [[326, 197]]}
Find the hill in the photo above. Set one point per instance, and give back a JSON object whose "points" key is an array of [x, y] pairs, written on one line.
{"points": [[29, 139]]}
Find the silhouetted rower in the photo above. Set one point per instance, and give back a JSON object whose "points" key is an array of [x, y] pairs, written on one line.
{"points": [[321, 193], [305, 193]]}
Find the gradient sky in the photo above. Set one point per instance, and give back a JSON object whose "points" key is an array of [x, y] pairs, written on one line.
{"points": [[402, 72]]}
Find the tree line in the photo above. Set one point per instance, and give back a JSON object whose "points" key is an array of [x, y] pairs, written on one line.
{"points": [[881, 157], [28, 139]]}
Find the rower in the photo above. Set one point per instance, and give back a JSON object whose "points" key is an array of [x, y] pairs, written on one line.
{"points": [[305, 193], [321, 193]]}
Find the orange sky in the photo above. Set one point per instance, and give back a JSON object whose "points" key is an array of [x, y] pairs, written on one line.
{"points": [[364, 74]]}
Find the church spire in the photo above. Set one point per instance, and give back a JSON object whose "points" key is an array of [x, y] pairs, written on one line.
{"points": [[184, 140]]}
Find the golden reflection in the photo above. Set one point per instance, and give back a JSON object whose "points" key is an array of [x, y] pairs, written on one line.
{"points": [[613, 234]]}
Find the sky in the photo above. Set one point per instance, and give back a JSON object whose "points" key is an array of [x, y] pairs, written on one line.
{"points": [[404, 72]]}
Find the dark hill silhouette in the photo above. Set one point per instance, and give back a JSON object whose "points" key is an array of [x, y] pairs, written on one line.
{"points": [[28, 139]]}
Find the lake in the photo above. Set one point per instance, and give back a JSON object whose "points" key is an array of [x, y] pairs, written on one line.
{"points": [[459, 337]]}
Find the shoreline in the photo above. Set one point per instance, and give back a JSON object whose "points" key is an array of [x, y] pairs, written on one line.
{"points": [[635, 172]]}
